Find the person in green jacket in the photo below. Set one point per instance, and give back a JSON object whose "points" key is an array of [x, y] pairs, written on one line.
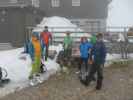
{"points": [[93, 39], [67, 44]]}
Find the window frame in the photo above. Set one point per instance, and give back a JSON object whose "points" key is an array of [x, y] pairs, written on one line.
{"points": [[55, 3], [76, 3], [35, 3]]}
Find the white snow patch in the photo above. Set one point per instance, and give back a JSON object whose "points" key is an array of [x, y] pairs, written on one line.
{"points": [[60, 25], [111, 58], [19, 70], [56, 22]]}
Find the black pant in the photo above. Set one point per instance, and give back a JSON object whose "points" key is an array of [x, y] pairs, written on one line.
{"points": [[67, 53], [99, 69], [46, 52]]}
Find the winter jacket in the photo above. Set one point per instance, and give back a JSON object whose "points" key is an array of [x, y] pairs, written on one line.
{"points": [[99, 52], [45, 36], [93, 39], [34, 48], [67, 43], [84, 49]]}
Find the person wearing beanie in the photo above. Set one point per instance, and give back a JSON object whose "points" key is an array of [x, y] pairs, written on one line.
{"points": [[67, 45], [46, 36], [98, 56]]}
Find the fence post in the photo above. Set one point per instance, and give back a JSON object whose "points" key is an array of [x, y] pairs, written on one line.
{"points": [[126, 43], [53, 37]]}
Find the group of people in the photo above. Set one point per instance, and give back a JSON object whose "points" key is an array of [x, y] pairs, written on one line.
{"points": [[37, 47], [92, 53]]}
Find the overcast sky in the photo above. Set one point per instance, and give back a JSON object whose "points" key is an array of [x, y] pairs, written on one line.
{"points": [[120, 13]]}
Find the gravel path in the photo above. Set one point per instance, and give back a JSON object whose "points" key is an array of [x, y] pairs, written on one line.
{"points": [[118, 85]]}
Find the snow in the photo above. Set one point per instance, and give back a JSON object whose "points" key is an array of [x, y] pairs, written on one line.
{"points": [[19, 69], [110, 58], [114, 57], [61, 24]]}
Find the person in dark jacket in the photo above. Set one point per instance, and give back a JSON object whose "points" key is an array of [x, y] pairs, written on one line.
{"points": [[98, 56]]}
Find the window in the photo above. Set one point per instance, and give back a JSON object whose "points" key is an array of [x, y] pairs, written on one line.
{"points": [[13, 1], [55, 3], [36, 3], [75, 2]]}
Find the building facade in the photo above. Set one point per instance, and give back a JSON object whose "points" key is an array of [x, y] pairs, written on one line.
{"points": [[90, 13], [15, 17]]}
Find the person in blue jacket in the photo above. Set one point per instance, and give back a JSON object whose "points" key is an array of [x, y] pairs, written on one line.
{"points": [[98, 56], [85, 49], [34, 48]]}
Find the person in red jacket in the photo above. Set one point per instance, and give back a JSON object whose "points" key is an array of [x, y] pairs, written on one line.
{"points": [[46, 36]]}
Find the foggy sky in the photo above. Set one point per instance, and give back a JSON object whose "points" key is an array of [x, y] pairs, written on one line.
{"points": [[120, 13]]}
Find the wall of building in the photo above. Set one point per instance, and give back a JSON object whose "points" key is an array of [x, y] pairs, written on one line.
{"points": [[14, 23], [91, 9]]}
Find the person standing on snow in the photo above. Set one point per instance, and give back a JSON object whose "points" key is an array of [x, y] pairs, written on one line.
{"points": [[45, 37], [67, 44], [99, 56], [85, 49], [35, 51]]}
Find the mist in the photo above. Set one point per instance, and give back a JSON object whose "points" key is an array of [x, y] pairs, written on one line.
{"points": [[120, 13]]}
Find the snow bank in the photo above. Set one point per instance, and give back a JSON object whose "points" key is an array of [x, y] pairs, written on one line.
{"points": [[19, 69], [114, 57], [56, 22], [60, 25]]}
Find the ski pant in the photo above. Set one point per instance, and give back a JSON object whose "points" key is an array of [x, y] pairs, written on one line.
{"points": [[35, 66], [67, 53], [85, 61], [47, 52], [99, 69]]}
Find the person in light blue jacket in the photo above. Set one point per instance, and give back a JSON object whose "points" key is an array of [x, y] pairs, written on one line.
{"points": [[85, 49]]}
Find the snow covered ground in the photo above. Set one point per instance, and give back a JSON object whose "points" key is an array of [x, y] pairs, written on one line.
{"points": [[61, 24], [19, 69]]}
